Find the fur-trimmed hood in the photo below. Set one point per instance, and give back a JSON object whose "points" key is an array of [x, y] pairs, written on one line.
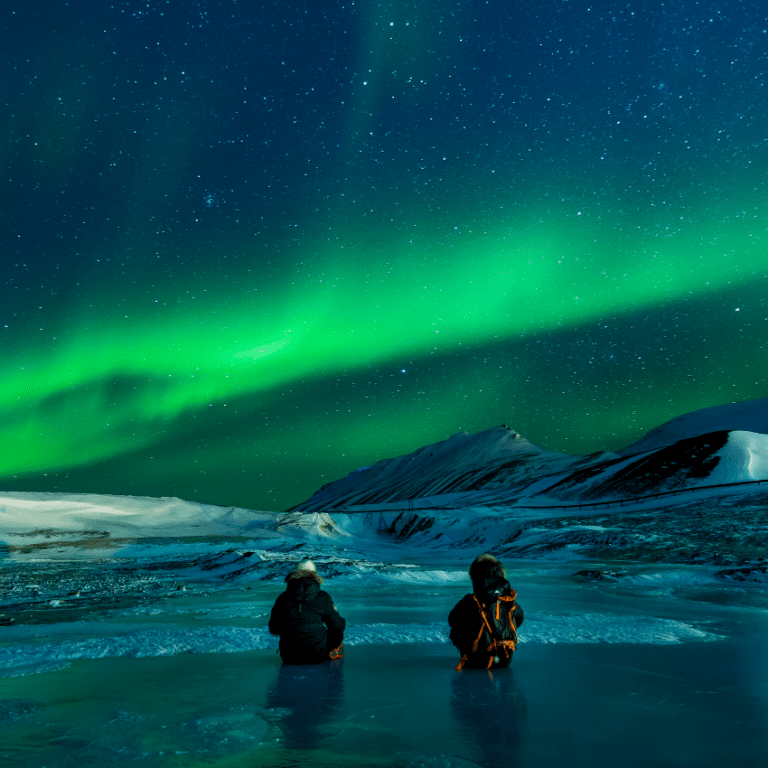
{"points": [[305, 570], [303, 583]]}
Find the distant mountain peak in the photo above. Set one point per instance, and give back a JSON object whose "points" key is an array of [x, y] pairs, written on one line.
{"points": [[724, 444]]}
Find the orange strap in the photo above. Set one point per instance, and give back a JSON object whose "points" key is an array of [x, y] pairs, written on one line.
{"points": [[337, 653], [485, 620], [507, 646]]}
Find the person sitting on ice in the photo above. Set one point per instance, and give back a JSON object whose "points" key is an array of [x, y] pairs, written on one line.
{"points": [[484, 624], [310, 627]]}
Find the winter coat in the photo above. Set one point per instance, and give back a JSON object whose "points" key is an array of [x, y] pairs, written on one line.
{"points": [[307, 621], [467, 624]]}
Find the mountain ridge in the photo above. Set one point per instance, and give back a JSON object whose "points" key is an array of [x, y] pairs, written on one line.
{"points": [[685, 452]]}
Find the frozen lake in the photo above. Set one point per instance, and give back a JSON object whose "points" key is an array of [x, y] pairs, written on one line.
{"points": [[660, 668]]}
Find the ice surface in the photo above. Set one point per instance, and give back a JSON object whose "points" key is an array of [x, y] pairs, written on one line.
{"points": [[154, 651], [199, 683], [138, 642]]}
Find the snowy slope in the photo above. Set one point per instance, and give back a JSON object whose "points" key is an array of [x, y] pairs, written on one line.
{"points": [[749, 416], [743, 458], [70, 519], [492, 490], [499, 466], [452, 471]]}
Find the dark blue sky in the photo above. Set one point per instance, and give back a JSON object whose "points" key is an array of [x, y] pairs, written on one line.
{"points": [[249, 247]]}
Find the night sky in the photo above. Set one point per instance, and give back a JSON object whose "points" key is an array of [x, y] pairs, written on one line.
{"points": [[248, 247]]}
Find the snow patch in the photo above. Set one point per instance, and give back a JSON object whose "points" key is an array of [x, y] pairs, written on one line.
{"points": [[577, 628], [51, 515], [751, 415], [744, 458]]}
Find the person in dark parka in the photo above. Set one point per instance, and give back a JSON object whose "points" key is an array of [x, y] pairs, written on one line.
{"points": [[310, 627], [484, 624]]}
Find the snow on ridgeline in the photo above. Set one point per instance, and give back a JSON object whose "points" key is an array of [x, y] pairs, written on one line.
{"points": [[748, 416], [494, 459], [720, 445], [475, 479]]}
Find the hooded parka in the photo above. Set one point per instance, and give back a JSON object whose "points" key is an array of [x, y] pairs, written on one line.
{"points": [[306, 619]]}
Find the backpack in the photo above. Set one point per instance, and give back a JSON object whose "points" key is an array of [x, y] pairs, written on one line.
{"points": [[498, 633]]}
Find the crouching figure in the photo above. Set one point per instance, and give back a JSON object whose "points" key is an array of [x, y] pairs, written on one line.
{"points": [[484, 624], [310, 627]]}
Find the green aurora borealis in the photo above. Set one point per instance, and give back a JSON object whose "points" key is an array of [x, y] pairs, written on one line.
{"points": [[248, 247]]}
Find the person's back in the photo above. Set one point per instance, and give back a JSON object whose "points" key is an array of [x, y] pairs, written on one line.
{"points": [[484, 624], [306, 619]]}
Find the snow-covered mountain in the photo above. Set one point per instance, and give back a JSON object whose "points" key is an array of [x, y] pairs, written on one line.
{"points": [[748, 416], [496, 459], [682, 494], [715, 446]]}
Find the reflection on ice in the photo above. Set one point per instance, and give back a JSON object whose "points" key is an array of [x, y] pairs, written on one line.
{"points": [[307, 697], [490, 712]]}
